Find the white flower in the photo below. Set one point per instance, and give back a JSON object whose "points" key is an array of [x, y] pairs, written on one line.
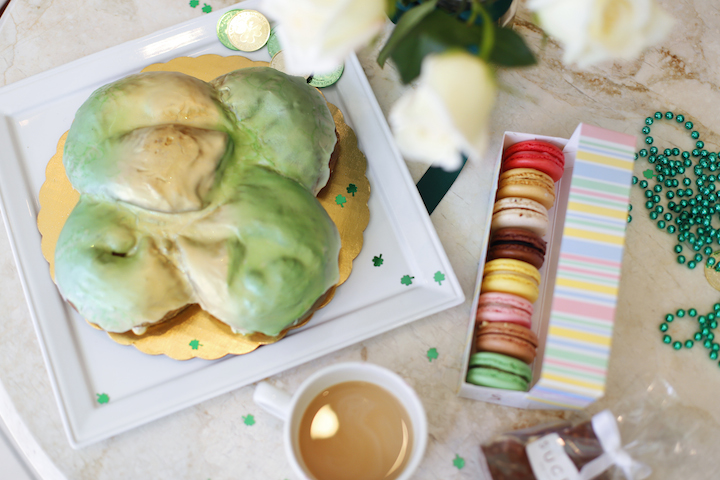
{"points": [[593, 31], [448, 113], [317, 35]]}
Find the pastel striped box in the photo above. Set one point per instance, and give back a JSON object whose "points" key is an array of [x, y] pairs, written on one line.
{"points": [[575, 311]]}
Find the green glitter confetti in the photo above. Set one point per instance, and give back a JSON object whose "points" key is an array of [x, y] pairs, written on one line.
{"points": [[248, 420], [406, 280], [102, 398], [432, 354], [195, 344], [352, 188], [340, 200], [459, 462], [439, 277], [206, 8], [378, 260]]}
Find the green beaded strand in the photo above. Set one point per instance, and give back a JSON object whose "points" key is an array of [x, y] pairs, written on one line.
{"points": [[689, 216]]}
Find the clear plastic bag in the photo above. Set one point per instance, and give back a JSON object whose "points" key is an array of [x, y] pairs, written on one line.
{"points": [[647, 435]]}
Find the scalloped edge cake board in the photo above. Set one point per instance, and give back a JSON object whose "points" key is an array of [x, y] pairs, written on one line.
{"points": [[574, 314], [83, 362]]}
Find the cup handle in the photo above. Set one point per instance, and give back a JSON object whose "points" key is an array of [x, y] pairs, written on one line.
{"points": [[273, 400]]}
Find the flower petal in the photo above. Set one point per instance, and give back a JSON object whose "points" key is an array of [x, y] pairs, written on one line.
{"points": [[592, 31], [448, 113], [317, 35]]}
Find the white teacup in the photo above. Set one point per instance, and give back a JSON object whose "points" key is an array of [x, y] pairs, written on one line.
{"points": [[331, 382]]}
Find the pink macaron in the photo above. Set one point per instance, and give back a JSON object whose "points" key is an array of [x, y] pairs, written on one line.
{"points": [[537, 154], [504, 307]]}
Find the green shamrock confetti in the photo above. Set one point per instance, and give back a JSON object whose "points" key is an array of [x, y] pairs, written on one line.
{"points": [[406, 280], [378, 260], [206, 8], [194, 3], [248, 420], [340, 200], [195, 344], [352, 188], [102, 397], [459, 462], [432, 354], [439, 277], [648, 174]]}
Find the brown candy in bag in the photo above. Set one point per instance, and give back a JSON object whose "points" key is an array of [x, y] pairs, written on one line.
{"points": [[507, 459]]}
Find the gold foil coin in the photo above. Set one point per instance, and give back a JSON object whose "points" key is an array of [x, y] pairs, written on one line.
{"points": [[278, 63], [273, 43], [711, 274], [248, 31], [222, 28]]}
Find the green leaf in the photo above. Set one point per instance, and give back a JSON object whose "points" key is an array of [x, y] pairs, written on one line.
{"points": [[498, 8], [407, 22], [462, 8], [408, 56], [390, 7], [488, 40], [510, 50], [435, 33]]}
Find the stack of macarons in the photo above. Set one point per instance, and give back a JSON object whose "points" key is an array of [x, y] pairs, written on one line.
{"points": [[504, 341]]}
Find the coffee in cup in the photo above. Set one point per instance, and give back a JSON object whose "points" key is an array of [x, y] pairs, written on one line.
{"points": [[355, 431], [350, 421]]}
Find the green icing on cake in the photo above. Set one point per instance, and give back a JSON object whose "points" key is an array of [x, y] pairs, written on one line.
{"points": [[295, 130], [115, 274], [135, 102], [269, 261], [187, 200]]}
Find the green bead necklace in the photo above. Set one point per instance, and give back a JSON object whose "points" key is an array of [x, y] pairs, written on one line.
{"points": [[707, 323], [689, 211], [686, 180]]}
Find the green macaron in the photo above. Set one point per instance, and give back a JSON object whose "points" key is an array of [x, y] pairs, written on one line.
{"points": [[495, 370]]}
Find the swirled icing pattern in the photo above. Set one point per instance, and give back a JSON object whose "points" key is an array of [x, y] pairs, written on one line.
{"points": [[195, 192]]}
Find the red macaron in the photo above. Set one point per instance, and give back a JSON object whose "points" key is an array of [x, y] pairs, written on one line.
{"points": [[537, 154]]}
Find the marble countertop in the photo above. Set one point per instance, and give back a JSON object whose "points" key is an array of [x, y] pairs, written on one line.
{"points": [[210, 441]]}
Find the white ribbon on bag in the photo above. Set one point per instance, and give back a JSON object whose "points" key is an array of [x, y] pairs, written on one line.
{"points": [[606, 430], [549, 461]]}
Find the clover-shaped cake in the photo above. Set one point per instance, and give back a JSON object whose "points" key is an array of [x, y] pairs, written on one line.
{"points": [[199, 193]]}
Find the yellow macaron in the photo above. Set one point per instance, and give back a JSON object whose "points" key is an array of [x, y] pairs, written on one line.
{"points": [[527, 183], [511, 276]]}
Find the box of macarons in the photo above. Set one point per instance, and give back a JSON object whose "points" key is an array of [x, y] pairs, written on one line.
{"points": [[541, 322]]}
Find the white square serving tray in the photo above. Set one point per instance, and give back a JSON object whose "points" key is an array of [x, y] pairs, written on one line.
{"points": [[83, 362]]}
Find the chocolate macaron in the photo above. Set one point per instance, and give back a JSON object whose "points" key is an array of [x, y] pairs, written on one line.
{"points": [[507, 338], [517, 243]]}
